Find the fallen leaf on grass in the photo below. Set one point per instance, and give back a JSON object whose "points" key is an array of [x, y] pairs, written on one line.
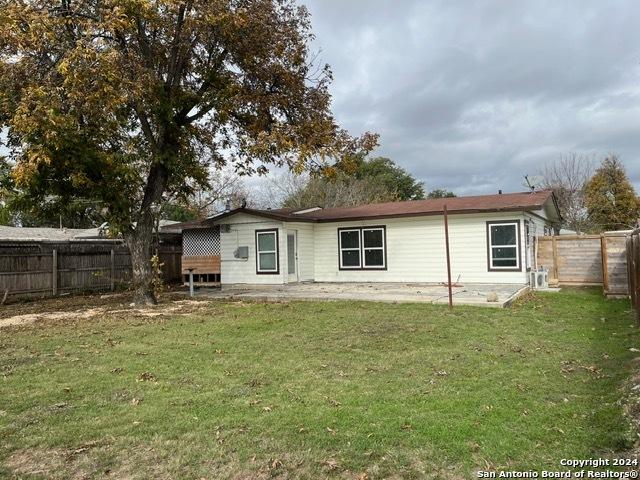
{"points": [[80, 449], [117, 370], [591, 368], [362, 476], [3, 413], [146, 377], [266, 409], [135, 401], [331, 431], [406, 427], [331, 464]]}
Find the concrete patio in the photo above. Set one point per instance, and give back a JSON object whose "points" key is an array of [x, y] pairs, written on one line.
{"points": [[470, 294]]}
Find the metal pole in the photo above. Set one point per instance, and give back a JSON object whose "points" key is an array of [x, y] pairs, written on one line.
{"points": [[191, 282], [446, 240]]}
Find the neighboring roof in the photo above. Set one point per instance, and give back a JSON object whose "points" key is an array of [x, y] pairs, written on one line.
{"points": [[522, 201], [39, 234]]}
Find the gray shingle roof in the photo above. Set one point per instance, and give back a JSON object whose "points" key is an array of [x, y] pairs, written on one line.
{"points": [[38, 234]]}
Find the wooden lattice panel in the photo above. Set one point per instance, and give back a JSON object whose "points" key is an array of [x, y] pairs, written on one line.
{"points": [[201, 242]]}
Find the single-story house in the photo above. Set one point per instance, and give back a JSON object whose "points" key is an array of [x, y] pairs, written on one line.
{"points": [[492, 240]]}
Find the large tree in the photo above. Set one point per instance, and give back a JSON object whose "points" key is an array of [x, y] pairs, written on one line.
{"points": [[441, 193], [353, 181], [611, 200], [127, 102], [339, 190], [396, 179], [568, 177]]}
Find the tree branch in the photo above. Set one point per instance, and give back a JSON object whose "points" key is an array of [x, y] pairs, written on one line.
{"points": [[146, 128], [181, 116]]}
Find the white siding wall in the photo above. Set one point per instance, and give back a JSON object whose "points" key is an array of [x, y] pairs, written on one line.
{"points": [[306, 253], [243, 228], [538, 224], [416, 250]]}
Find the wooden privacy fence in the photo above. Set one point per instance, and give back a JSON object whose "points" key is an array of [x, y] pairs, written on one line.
{"points": [[43, 269], [633, 269], [582, 260]]}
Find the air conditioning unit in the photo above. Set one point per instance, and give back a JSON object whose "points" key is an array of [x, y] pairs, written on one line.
{"points": [[539, 279], [241, 252]]}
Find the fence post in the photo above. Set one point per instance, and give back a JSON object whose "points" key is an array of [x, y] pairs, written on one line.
{"points": [[605, 266], [631, 270], [636, 272], [554, 252], [54, 272], [113, 270]]}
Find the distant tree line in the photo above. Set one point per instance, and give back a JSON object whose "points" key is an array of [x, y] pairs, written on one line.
{"points": [[592, 199]]}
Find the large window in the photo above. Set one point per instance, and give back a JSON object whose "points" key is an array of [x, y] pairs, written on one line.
{"points": [[267, 251], [362, 248], [504, 245]]}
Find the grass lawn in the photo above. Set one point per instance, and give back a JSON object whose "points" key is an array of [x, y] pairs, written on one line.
{"points": [[315, 390]]}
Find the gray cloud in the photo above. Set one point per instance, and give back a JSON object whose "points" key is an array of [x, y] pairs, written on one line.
{"points": [[473, 95]]}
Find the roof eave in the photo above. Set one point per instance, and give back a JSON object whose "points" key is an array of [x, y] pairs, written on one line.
{"points": [[431, 214]]}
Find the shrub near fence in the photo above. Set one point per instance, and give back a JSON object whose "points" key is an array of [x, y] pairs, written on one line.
{"points": [[633, 269], [43, 269]]}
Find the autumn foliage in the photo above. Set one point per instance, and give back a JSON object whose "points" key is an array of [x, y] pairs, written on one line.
{"points": [[124, 102]]}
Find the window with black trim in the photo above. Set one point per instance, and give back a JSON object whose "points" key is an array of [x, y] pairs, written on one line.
{"points": [[504, 245], [362, 248], [267, 251]]}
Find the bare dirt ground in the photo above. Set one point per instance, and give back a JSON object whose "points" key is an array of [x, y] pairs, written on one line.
{"points": [[86, 307]]}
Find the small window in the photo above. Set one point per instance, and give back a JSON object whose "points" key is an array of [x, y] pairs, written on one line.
{"points": [[504, 245], [373, 245], [267, 251], [350, 248], [362, 248]]}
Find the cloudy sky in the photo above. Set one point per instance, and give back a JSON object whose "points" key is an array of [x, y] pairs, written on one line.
{"points": [[472, 95]]}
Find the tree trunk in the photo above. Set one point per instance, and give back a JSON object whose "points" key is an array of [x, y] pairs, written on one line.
{"points": [[139, 244], [139, 239]]}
